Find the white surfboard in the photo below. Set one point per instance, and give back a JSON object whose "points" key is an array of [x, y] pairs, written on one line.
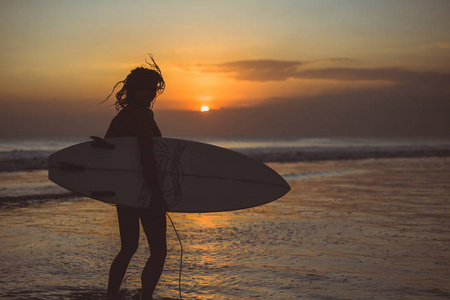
{"points": [[194, 177]]}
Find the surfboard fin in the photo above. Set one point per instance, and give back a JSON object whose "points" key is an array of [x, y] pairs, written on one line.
{"points": [[65, 166], [98, 142]]}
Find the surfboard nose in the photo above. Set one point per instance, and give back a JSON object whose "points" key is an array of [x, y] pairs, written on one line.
{"points": [[278, 181]]}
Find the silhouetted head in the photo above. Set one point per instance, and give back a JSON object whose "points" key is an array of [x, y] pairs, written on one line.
{"points": [[141, 87]]}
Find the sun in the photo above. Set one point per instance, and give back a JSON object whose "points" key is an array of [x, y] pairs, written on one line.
{"points": [[204, 108]]}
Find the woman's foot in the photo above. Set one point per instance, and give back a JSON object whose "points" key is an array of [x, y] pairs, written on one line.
{"points": [[145, 296]]}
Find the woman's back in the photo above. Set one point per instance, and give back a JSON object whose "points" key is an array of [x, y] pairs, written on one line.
{"points": [[133, 121]]}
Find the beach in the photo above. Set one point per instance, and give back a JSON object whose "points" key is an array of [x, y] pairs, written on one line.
{"points": [[348, 229]]}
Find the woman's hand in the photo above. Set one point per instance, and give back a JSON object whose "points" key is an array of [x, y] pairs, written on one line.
{"points": [[157, 196]]}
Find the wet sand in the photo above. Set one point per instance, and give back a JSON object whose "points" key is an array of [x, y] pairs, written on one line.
{"points": [[363, 229]]}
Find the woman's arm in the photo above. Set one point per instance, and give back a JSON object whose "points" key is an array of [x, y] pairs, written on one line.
{"points": [[143, 126]]}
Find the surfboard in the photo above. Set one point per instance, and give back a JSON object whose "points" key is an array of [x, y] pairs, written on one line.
{"points": [[195, 177]]}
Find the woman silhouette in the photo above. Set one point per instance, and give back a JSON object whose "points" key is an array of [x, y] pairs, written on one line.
{"points": [[135, 119]]}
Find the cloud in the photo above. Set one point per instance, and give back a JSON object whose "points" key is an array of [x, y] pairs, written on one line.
{"points": [[444, 45], [417, 105], [277, 70], [353, 113], [256, 70], [264, 69], [387, 74], [384, 112]]}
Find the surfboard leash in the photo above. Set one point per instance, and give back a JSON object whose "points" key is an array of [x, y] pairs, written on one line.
{"points": [[181, 255]]}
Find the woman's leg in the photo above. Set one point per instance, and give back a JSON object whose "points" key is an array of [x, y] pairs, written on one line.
{"points": [[129, 238], [154, 224]]}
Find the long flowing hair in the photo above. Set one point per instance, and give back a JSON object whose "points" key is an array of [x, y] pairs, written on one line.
{"points": [[140, 78]]}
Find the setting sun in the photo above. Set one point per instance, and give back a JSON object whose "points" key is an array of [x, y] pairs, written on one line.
{"points": [[204, 108]]}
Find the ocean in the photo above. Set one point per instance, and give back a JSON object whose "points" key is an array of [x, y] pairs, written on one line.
{"points": [[367, 218]]}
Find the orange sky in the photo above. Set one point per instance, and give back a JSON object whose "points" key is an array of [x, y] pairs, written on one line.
{"points": [[69, 54]]}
